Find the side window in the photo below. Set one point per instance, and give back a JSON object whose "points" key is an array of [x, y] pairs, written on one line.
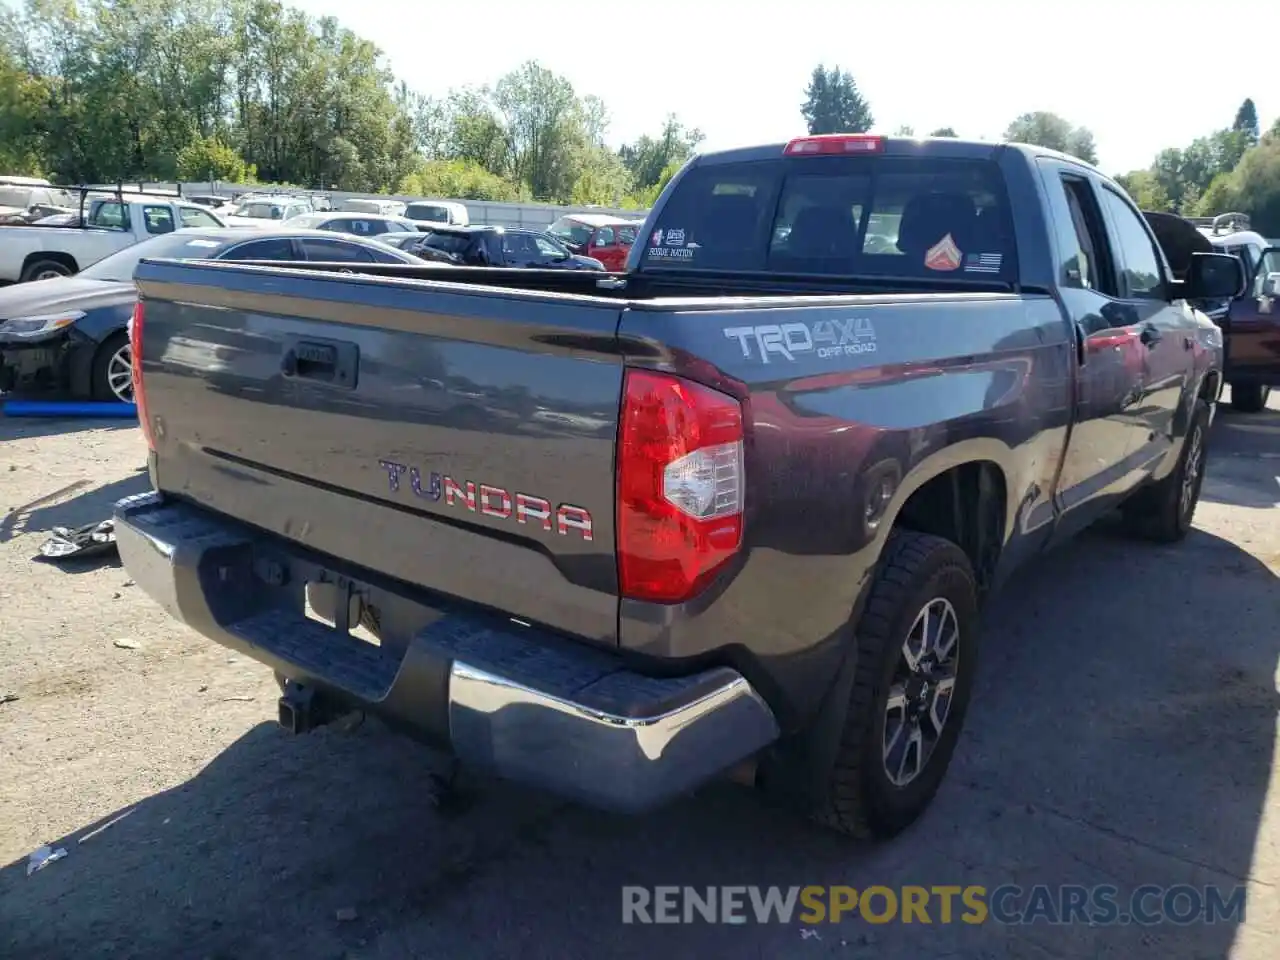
{"points": [[110, 214], [276, 248], [387, 257], [1142, 276], [604, 237], [627, 236], [1092, 268], [158, 219], [196, 218], [1269, 266], [548, 249], [334, 251]]}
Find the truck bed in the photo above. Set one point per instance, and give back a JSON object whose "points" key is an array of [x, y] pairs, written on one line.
{"points": [[474, 436]]}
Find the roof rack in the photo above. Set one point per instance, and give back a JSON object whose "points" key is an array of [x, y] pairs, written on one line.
{"points": [[1223, 223], [118, 189]]}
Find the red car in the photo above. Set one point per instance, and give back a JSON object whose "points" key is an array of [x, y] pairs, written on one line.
{"points": [[604, 238]]}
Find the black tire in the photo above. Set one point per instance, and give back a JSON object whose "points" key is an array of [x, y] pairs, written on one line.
{"points": [[1249, 397], [1161, 512], [39, 269], [916, 570], [103, 368]]}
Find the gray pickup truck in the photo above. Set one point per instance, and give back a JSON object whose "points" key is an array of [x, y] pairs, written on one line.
{"points": [[735, 511]]}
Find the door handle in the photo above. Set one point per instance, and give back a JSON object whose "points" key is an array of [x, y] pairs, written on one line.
{"points": [[1150, 335]]}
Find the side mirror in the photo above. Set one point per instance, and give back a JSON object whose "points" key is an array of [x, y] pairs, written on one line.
{"points": [[1214, 276], [1271, 286]]}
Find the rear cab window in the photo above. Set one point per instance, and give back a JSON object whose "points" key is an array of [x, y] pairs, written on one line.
{"points": [[883, 216]]}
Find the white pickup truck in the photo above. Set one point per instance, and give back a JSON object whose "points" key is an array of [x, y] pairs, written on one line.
{"points": [[111, 223]]}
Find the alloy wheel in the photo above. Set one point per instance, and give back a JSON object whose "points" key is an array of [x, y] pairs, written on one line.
{"points": [[921, 691], [120, 374]]}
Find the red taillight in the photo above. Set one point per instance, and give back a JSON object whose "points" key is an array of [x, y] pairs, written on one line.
{"points": [[136, 323], [680, 486], [839, 143]]}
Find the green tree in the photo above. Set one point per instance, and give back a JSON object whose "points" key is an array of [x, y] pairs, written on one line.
{"points": [[459, 180], [1246, 121], [208, 158], [833, 104], [1221, 196], [1145, 190], [1049, 130], [543, 124], [943, 132], [1257, 184], [649, 157]]}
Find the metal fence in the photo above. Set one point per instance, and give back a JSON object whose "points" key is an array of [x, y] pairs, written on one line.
{"points": [[537, 216]]}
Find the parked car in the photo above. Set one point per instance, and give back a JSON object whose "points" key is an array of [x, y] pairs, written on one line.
{"points": [[450, 213], [27, 199], [493, 246], [356, 224], [604, 238], [111, 223], [1251, 322], [213, 201], [416, 244], [67, 335], [381, 206], [693, 583], [266, 211]]}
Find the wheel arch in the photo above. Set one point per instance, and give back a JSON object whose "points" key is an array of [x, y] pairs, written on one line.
{"points": [[55, 256]]}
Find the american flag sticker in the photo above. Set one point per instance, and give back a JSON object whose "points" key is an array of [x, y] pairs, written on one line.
{"points": [[983, 262]]}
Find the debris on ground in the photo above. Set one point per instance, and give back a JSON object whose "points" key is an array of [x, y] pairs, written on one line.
{"points": [[8, 697], [79, 543], [42, 857], [124, 643], [106, 826]]}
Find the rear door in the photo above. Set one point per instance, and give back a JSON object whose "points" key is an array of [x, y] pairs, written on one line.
{"points": [[1101, 457], [1253, 327], [1165, 327], [518, 250]]}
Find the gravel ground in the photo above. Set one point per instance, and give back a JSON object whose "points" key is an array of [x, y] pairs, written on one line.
{"points": [[1122, 732]]}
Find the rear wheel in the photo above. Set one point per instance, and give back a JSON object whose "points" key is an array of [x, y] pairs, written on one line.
{"points": [[45, 270], [916, 647], [1249, 397], [113, 370]]}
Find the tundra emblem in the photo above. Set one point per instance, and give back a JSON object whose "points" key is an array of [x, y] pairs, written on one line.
{"points": [[490, 501]]}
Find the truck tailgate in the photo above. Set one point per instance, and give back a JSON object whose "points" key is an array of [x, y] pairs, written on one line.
{"points": [[455, 438]]}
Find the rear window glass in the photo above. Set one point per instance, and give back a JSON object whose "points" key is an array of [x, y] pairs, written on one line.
{"points": [[427, 211], [571, 231], [881, 217]]}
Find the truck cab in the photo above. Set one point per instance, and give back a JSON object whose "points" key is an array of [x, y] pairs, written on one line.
{"points": [[112, 221]]}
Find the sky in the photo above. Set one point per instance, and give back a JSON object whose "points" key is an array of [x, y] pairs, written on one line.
{"points": [[738, 70]]}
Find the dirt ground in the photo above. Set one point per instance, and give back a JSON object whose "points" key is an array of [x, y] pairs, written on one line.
{"points": [[1122, 732]]}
